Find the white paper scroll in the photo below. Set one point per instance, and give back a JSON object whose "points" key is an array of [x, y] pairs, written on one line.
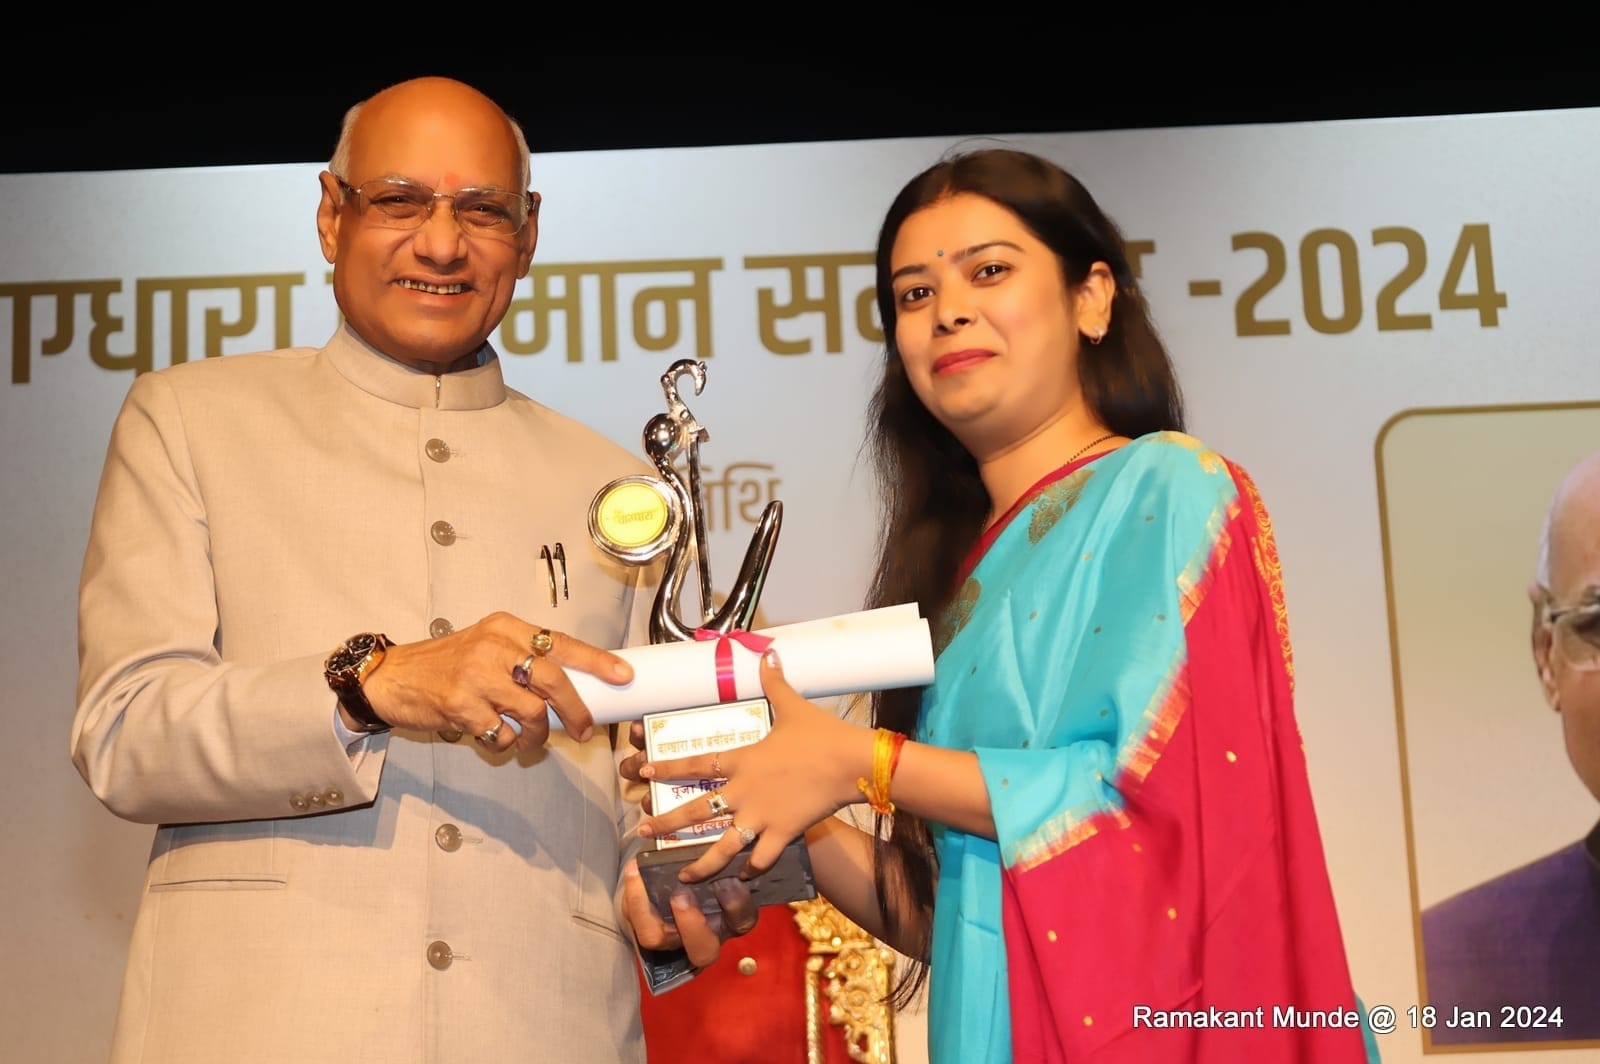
{"points": [[867, 651]]}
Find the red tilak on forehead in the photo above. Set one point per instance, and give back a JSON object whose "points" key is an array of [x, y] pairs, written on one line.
{"points": [[450, 179]]}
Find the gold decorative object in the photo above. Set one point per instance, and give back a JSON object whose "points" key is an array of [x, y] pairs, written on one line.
{"points": [[852, 970]]}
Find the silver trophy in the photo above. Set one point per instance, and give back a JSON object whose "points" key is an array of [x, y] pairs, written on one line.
{"points": [[636, 519]]}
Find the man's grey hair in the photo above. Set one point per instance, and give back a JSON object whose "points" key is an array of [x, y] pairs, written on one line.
{"points": [[339, 165]]}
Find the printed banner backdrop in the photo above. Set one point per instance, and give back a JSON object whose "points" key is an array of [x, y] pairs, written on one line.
{"points": [[1313, 281]]}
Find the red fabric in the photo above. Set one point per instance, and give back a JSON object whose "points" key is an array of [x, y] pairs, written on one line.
{"points": [[1211, 888], [726, 1017]]}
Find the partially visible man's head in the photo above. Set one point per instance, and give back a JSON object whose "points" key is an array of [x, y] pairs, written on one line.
{"points": [[428, 296], [1569, 579]]}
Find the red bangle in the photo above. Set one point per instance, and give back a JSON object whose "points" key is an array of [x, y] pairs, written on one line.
{"points": [[894, 758]]}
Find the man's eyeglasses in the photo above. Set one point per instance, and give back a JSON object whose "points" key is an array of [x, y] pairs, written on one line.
{"points": [[1576, 633], [399, 204]]}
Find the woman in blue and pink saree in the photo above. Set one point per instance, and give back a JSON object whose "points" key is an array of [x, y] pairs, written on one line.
{"points": [[1156, 888], [1093, 833]]}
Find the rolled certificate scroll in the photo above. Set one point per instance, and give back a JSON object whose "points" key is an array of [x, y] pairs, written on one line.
{"points": [[868, 651]]}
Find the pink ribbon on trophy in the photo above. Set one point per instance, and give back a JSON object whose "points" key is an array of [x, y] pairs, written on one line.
{"points": [[727, 689]]}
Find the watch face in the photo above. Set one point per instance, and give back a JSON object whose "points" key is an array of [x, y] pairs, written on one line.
{"points": [[354, 651]]}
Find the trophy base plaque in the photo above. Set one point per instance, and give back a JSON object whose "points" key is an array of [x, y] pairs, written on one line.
{"points": [[700, 730], [711, 729]]}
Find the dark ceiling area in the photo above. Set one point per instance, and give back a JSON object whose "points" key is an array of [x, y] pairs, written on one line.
{"points": [[109, 119]]}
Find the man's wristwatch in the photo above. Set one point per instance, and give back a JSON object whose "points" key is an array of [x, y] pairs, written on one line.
{"points": [[350, 664]]}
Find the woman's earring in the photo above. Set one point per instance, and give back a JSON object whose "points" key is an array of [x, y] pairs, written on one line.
{"points": [[1095, 338]]}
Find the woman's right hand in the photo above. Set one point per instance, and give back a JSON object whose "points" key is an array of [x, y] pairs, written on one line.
{"points": [[804, 771]]}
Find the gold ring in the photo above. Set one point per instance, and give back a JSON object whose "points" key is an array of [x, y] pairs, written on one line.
{"points": [[718, 804], [542, 642], [716, 767]]}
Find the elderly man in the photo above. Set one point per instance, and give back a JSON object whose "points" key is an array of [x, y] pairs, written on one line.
{"points": [[305, 655], [1528, 941]]}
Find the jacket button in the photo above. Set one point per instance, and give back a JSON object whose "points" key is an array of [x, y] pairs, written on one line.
{"points": [[439, 627], [439, 955], [442, 533], [438, 450], [298, 803], [448, 836], [333, 796], [747, 966]]}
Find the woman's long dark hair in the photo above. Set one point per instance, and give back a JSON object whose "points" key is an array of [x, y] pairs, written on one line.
{"points": [[934, 504]]}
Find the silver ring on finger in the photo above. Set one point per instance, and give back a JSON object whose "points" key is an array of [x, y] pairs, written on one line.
{"points": [[746, 835], [490, 736], [717, 803], [522, 672]]}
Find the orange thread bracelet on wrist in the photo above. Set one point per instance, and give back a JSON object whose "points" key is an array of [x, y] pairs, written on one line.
{"points": [[885, 759]]}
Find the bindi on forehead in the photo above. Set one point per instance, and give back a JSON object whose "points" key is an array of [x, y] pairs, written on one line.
{"points": [[450, 178]]}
